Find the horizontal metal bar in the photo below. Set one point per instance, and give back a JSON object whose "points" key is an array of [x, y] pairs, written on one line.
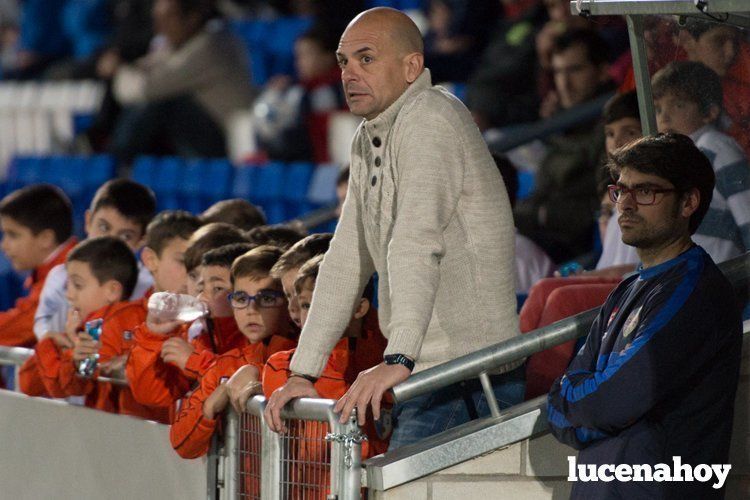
{"points": [[318, 217], [736, 270], [14, 355], [502, 140], [654, 7], [318, 410]]}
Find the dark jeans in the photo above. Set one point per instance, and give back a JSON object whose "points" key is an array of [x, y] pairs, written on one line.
{"points": [[438, 411], [178, 126]]}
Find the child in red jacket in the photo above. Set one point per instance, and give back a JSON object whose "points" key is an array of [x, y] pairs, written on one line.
{"points": [[162, 367], [259, 308], [334, 381], [37, 224], [101, 271]]}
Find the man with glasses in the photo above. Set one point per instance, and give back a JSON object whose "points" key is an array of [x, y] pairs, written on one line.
{"points": [[657, 376]]}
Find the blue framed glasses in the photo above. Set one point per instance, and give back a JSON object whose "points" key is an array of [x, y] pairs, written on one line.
{"points": [[264, 299]]}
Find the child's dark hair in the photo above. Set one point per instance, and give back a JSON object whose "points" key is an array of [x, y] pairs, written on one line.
{"points": [[673, 157], [692, 81], [595, 46], [40, 207], [323, 37], [226, 255], [133, 200], [238, 212], [509, 174], [257, 263], [302, 251], [168, 226], [208, 237], [109, 258], [280, 235], [621, 106]]}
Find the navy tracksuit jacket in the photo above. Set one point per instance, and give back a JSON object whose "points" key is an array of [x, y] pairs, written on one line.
{"points": [[656, 378]]}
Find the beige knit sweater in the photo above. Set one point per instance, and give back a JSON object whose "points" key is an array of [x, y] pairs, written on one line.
{"points": [[426, 209]]}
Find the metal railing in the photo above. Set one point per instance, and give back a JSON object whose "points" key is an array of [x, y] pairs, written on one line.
{"points": [[17, 356], [317, 458], [481, 363]]}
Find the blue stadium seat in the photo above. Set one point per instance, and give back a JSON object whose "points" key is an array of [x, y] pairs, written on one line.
{"points": [[297, 181], [268, 183], [166, 180], [99, 169], [194, 174], [525, 184], [322, 190], [254, 34], [244, 178], [218, 181], [143, 170]]}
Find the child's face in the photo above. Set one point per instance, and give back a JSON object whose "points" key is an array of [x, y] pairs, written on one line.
{"points": [[168, 269], [311, 60], [621, 132], [214, 287], [716, 48], [304, 298], [287, 282], [24, 249], [678, 115], [193, 281], [85, 293], [108, 221], [257, 323]]}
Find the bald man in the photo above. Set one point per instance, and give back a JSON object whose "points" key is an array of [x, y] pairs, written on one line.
{"points": [[427, 210]]}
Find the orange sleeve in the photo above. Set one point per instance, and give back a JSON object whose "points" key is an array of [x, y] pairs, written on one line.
{"points": [[52, 362], [191, 432], [199, 362], [30, 380], [70, 382], [152, 381], [17, 324], [276, 371]]}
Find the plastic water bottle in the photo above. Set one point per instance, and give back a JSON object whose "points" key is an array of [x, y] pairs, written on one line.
{"points": [[87, 367], [165, 306]]}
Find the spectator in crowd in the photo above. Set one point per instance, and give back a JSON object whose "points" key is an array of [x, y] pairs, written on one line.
{"points": [[120, 208], [532, 264], [37, 226], [414, 233], [687, 100], [559, 214], [553, 299], [292, 119], [722, 48], [179, 98], [285, 270], [657, 376], [259, 309], [279, 235], [237, 212], [102, 274], [501, 90], [458, 31], [162, 367]]}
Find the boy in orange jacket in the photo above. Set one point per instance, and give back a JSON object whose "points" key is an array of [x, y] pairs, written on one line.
{"points": [[37, 223], [101, 271], [334, 381], [259, 308], [162, 367]]}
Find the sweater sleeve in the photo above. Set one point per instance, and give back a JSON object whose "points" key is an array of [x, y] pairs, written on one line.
{"points": [[343, 275], [51, 302], [428, 189]]}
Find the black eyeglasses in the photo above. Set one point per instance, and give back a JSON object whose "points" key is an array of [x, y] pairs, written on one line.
{"points": [[643, 195], [264, 298]]}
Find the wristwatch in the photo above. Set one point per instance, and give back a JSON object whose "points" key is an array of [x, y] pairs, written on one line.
{"points": [[399, 359]]}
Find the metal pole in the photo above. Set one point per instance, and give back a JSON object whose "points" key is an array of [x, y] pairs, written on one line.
{"points": [[351, 473], [212, 468], [270, 461], [642, 77], [489, 394], [231, 450]]}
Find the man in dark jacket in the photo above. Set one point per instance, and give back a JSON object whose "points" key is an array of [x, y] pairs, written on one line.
{"points": [[656, 380]]}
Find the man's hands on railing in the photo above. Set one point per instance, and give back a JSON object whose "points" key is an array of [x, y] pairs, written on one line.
{"points": [[368, 390], [295, 387], [242, 385]]}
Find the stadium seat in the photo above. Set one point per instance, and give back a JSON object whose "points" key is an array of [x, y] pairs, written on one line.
{"points": [[322, 190], [143, 170], [166, 180], [254, 34], [283, 33], [194, 174], [219, 173], [269, 183], [244, 178]]}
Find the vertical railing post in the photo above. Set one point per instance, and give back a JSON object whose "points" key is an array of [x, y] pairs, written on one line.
{"points": [[640, 71], [270, 460], [346, 457], [489, 394], [212, 469], [230, 470]]}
